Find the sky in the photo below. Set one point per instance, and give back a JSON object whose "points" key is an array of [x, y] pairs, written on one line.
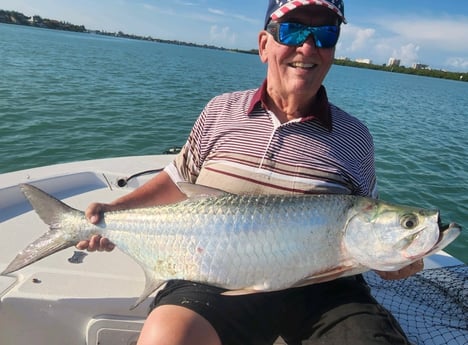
{"points": [[429, 32]]}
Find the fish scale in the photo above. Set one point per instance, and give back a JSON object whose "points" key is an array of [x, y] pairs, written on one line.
{"points": [[219, 231], [248, 243]]}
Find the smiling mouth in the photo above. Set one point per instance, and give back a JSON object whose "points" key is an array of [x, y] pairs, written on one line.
{"points": [[302, 65]]}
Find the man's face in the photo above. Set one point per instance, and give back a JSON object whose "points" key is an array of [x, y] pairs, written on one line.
{"points": [[299, 70]]}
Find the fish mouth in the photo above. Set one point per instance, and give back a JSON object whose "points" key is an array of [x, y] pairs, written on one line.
{"points": [[445, 227], [448, 231], [447, 234]]}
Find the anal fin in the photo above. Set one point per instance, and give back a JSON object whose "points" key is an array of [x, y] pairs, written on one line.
{"points": [[151, 285]]}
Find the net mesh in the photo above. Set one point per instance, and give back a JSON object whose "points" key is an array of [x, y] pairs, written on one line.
{"points": [[431, 306]]}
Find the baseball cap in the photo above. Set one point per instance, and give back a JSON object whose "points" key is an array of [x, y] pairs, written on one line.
{"points": [[278, 8]]}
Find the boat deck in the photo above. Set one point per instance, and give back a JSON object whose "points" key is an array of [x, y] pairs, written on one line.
{"points": [[75, 297]]}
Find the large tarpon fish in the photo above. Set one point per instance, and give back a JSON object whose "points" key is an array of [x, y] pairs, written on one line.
{"points": [[249, 243]]}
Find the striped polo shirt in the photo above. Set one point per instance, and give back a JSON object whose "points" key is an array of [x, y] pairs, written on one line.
{"points": [[239, 146]]}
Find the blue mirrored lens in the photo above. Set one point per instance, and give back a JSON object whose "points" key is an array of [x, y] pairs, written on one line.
{"points": [[294, 34]]}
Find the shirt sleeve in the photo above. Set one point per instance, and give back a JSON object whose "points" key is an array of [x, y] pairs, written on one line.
{"points": [[188, 163], [173, 173]]}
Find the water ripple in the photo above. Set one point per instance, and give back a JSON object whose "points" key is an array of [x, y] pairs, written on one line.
{"points": [[69, 96]]}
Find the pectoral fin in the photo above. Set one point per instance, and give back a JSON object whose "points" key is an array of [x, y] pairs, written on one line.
{"points": [[247, 291], [333, 274]]}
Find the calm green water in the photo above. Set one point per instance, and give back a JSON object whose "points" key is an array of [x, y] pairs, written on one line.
{"points": [[68, 96]]}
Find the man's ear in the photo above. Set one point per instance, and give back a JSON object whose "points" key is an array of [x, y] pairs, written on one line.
{"points": [[262, 45]]}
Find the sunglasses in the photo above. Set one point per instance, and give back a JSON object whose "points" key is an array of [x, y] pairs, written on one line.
{"points": [[295, 34]]}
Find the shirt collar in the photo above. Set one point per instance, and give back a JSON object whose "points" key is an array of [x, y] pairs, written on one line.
{"points": [[319, 111]]}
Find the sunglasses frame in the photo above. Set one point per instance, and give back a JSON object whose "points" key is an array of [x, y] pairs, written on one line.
{"points": [[274, 29]]}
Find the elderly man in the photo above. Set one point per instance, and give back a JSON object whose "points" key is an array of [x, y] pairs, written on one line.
{"points": [[284, 137]]}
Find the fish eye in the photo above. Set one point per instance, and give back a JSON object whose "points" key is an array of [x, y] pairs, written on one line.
{"points": [[409, 221]]}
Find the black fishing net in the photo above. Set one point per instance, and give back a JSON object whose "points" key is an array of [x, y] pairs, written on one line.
{"points": [[431, 306]]}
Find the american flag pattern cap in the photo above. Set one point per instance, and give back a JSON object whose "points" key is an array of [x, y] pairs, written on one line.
{"points": [[278, 8]]}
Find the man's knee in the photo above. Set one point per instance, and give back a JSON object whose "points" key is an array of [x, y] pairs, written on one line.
{"points": [[175, 325]]}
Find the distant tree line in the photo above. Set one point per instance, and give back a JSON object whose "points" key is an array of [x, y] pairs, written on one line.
{"points": [[12, 17], [152, 39], [434, 73]]}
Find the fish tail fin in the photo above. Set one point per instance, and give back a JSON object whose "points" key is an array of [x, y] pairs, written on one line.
{"points": [[51, 211]]}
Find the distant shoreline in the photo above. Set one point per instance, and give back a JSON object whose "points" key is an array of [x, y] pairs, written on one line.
{"points": [[433, 73], [17, 18]]}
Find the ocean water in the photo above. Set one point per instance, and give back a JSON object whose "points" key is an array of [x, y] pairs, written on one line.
{"points": [[70, 96]]}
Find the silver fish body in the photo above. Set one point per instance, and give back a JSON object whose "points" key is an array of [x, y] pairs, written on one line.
{"points": [[249, 243]]}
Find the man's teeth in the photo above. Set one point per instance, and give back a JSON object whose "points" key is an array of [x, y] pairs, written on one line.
{"points": [[302, 65]]}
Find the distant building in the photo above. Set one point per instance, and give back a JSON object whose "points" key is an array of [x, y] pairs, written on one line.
{"points": [[393, 62], [367, 61], [420, 66], [343, 58]]}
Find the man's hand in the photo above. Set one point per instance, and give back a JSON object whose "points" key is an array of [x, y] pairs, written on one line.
{"points": [[94, 215], [403, 273], [96, 242]]}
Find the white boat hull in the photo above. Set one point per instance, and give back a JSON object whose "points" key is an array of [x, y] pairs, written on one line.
{"points": [[75, 297]]}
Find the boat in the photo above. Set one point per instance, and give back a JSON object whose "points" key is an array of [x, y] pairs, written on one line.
{"points": [[76, 297]]}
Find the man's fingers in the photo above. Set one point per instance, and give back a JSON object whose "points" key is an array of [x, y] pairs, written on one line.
{"points": [[105, 245]]}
